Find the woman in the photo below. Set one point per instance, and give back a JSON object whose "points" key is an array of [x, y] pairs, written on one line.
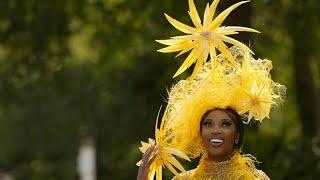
{"points": [[204, 113], [222, 134]]}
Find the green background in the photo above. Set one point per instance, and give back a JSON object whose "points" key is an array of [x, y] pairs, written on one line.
{"points": [[77, 68]]}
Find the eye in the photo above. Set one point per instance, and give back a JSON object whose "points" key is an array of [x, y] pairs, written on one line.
{"points": [[206, 123], [226, 123]]}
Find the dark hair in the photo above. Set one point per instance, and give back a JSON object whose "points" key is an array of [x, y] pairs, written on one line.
{"points": [[235, 117]]}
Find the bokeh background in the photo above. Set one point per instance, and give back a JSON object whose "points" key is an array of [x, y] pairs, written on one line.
{"points": [[89, 68]]}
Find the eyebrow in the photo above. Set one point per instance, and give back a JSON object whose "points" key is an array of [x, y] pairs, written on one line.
{"points": [[227, 119], [207, 119], [224, 119]]}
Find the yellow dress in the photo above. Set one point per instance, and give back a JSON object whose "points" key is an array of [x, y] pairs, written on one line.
{"points": [[239, 167]]}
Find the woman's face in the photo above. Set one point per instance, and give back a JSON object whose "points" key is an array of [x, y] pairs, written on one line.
{"points": [[219, 135]]}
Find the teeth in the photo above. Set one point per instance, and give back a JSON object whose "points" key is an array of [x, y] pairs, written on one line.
{"points": [[216, 140]]}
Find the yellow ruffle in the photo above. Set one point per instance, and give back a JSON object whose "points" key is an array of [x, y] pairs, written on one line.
{"points": [[239, 167]]}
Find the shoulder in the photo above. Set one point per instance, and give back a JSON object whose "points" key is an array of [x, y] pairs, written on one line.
{"points": [[184, 175], [261, 175]]}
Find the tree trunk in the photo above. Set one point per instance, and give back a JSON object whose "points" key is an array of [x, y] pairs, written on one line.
{"points": [[306, 94], [303, 40]]}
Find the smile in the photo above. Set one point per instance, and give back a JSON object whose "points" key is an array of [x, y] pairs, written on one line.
{"points": [[216, 142]]}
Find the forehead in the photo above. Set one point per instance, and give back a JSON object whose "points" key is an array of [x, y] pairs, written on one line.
{"points": [[217, 114]]}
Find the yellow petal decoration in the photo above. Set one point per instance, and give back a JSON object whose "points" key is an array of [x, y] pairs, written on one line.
{"points": [[163, 154], [259, 100], [205, 38]]}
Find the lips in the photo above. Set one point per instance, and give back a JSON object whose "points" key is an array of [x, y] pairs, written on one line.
{"points": [[216, 142]]}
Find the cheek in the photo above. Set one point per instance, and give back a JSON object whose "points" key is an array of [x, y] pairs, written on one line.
{"points": [[205, 134], [230, 133]]}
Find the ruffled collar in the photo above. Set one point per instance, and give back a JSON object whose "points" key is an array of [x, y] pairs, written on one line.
{"points": [[238, 167], [212, 167]]}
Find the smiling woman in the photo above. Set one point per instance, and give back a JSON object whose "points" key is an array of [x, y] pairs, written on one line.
{"points": [[205, 114], [221, 133]]}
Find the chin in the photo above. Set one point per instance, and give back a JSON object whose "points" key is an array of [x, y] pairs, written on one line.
{"points": [[219, 153]]}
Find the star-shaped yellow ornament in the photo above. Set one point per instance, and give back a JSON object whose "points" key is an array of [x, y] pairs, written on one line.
{"points": [[163, 154], [259, 101], [203, 39]]}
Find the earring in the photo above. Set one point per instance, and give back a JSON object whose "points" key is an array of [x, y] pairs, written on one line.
{"points": [[237, 139]]}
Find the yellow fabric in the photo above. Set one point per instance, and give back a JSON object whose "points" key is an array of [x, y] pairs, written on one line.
{"points": [[239, 167]]}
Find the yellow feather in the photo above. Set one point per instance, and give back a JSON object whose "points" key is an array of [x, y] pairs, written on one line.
{"points": [[172, 41], [213, 8], [185, 37], [240, 28], [222, 16], [171, 168], [198, 66], [152, 173], [144, 147], [221, 31], [174, 48], [224, 50], [213, 55], [186, 49], [180, 26], [174, 162], [206, 16], [144, 144], [139, 163], [194, 14], [188, 62], [159, 173], [177, 153], [236, 43], [151, 141]]}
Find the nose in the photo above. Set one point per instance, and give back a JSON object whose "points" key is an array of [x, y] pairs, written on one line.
{"points": [[216, 130]]}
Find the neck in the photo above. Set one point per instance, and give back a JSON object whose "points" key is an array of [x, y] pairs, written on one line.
{"points": [[237, 166], [213, 158]]}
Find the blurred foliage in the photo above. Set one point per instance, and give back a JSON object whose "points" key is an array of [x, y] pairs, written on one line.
{"points": [[90, 67]]}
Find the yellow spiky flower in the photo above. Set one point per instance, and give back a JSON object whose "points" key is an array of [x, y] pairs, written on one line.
{"points": [[204, 38], [259, 101], [163, 154]]}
